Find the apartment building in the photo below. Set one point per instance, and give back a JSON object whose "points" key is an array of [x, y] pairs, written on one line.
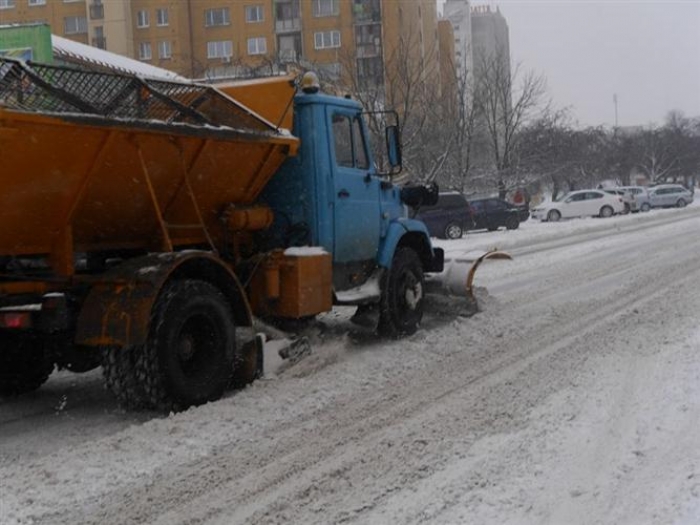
{"points": [[217, 38], [490, 35]]}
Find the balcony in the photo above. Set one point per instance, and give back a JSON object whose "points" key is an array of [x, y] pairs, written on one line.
{"points": [[97, 11], [99, 42], [287, 16], [367, 11], [368, 50], [287, 25]]}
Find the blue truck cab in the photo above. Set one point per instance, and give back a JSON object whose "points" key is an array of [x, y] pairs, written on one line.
{"points": [[331, 195]]}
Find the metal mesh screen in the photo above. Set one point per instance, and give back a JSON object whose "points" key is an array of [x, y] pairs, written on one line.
{"points": [[27, 86]]}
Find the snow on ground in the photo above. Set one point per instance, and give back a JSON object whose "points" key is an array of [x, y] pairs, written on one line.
{"points": [[573, 397]]}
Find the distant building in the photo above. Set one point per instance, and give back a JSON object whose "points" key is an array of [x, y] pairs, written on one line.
{"points": [[458, 13], [490, 35]]}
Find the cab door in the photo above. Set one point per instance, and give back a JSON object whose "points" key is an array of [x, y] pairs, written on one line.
{"points": [[357, 210]]}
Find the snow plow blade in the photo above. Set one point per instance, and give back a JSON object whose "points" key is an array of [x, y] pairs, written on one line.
{"points": [[457, 279]]}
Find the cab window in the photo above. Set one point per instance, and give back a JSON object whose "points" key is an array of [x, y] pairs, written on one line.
{"points": [[350, 151]]}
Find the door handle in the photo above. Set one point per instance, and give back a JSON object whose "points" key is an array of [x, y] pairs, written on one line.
{"points": [[343, 194]]}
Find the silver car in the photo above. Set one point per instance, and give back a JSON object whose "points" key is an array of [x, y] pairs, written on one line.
{"points": [[641, 196], [668, 195]]}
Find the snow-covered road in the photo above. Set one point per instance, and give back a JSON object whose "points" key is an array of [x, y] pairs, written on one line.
{"points": [[574, 397]]}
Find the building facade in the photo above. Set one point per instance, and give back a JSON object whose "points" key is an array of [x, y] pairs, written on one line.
{"points": [[458, 13], [217, 38], [490, 35]]}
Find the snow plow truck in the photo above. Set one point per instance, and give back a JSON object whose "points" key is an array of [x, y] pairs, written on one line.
{"points": [[147, 223]]}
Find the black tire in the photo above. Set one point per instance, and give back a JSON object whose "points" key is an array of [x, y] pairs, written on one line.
{"points": [[189, 356], [121, 376], [628, 208], [512, 223], [26, 362], [606, 211], [553, 216], [645, 206], [453, 231], [681, 203], [401, 305]]}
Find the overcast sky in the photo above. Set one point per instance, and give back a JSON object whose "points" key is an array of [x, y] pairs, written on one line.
{"points": [[647, 52]]}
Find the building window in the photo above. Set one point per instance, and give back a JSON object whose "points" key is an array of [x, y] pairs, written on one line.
{"points": [[165, 50], [217, 17], [161, 17], [142, 19], [254, 13], [145, 51], [7, 4], [257, 46], [75, 25], [35, 2], [326, 39], [220, 49], [97, 10], [325, 7]]}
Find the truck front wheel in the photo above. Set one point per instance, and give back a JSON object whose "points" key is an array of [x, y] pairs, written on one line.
{"points": [[401, 306], [25, 363], [189, 355]]}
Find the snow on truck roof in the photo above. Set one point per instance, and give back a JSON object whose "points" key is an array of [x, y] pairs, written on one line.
{"points": [[68, 49]]}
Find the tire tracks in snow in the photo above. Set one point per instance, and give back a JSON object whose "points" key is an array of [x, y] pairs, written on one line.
{"points": [[295, 475]]}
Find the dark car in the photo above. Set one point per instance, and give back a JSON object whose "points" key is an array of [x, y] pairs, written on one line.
{"points": [[492, 213], [449, 218]]}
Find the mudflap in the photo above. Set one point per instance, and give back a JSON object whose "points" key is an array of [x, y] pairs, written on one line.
{"points": [[250, 364]]}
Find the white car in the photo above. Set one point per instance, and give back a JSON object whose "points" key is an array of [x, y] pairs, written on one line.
{"points": [[582, 203]]}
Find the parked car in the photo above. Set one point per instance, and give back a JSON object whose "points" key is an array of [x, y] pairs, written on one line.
{"points": [[581, 203], [492, 213], [641, 196], [667, 195], [627, 198], [449, 218]]}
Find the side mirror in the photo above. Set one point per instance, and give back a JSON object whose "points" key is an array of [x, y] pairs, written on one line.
{"points": [[568, 200], [393, 146]]}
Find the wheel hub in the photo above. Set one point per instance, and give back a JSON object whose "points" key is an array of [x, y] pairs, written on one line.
{"points": [[413, 295]]}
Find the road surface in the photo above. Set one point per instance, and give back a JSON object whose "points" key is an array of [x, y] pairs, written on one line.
{"points": [[573, 397]]}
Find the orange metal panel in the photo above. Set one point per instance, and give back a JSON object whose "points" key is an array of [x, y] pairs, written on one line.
{"points": [[305, 286], [64, 169], [271, 98]]}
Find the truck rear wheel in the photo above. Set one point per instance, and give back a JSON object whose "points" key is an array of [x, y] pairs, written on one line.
{"points": [[401, 305], [189, 356], [25, 363], [119, 370]]}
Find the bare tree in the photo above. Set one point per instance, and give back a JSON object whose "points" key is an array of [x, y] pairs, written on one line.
{"points": [[405, 82], [507, 99], [458, 120]]}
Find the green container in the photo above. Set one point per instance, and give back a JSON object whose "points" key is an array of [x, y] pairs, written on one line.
{"points": [[27, 42]]}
